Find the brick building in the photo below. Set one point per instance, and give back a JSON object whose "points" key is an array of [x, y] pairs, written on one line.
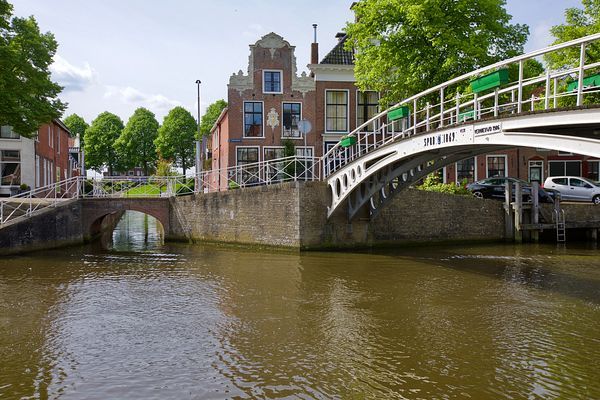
{"points": [[34, 162]]}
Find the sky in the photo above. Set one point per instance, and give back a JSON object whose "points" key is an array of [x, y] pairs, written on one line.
{"points": [[118, 55]]}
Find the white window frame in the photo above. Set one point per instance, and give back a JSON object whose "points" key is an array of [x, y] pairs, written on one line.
{"points": [[12, 139], [50, 137], [216, 139], [280, 81], [246, 147], [283, 128], [356, 116], [487, 171], [312, 148], [474, 171], [266, 148], [347, 111], [20, 162], [244, 120]]}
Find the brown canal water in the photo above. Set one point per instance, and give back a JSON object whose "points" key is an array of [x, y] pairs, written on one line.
{"points": [[144, 320]]}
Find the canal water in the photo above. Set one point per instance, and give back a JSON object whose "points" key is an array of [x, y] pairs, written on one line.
{"points": [[141, 320]]}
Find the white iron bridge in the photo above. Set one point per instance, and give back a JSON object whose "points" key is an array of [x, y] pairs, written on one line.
{"points": [[476, 113]]}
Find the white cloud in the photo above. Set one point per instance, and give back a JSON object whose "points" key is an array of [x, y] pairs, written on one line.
{"points": [[71, 77], [129, 95]]}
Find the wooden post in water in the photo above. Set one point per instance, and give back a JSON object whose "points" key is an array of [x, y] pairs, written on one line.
{"points": [[518, 207], [509, 228], [535, 210]]}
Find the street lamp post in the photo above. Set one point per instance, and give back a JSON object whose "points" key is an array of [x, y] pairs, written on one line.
{"points": [[198, 150]]}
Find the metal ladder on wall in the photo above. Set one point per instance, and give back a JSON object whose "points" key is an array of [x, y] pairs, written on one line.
{"points": [[559, 219]]}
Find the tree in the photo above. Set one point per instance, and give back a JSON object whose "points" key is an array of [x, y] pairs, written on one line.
{"points": [[135, 146], [210, 116], [579, 23], [76, 125], [176, 137], [29, 97], [403, 47], [100, 138]]}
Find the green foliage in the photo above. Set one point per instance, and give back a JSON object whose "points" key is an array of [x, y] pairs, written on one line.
{"points": [[578, 23], [29, 97], [99, 141], [433, 183], [176, 137], [136, 145], [289, 149], [76, 125], [403, 47], [164, 168], [210, 116]]}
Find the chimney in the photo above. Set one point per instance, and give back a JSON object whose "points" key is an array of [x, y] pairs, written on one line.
{"points": [[314, 48]]}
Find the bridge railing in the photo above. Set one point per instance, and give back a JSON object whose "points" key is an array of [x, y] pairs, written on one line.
{"points": [[455, 102], [24, 204], [285, 169]]}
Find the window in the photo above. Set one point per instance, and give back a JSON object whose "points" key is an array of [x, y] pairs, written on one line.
{"points": [[216, 139], [271, 81], [10, 167], [594, 170], [253, 119], [305, 167], [579, 183], [292, 113], [245, 156], [560, 181], [6, 132], [366, 108], [496, 166], [559, 168], [50, 138], [275, 170], [336, 111], [465, 169]]}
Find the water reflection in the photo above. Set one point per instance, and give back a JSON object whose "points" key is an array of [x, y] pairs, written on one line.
{"points": [[134, 232], [150, 321]]}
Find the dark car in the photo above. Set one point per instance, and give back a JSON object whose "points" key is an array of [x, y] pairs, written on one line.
{"points": [[493, 188]]}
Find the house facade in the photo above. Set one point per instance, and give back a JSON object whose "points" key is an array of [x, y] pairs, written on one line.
{"points": [[34, 162]]}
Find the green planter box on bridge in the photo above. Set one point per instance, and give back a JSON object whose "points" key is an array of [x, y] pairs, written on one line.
{"points": [[348, 141], [490, 81], [398, 113], [588, 82]]}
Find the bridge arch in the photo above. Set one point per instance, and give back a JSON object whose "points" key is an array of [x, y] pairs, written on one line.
{"points": [[377, 176], [95, 210]]}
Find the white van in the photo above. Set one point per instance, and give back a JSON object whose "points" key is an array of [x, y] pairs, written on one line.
{"points": [[574, 188]]}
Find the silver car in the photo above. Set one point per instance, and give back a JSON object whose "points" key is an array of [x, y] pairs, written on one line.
{"points": [[574, 188]]}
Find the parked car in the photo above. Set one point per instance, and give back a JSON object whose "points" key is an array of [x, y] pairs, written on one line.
{"points": [[574, 188], [493, 188]]}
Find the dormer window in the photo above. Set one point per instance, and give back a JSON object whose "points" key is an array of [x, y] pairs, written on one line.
{"points": [[272, 81]]}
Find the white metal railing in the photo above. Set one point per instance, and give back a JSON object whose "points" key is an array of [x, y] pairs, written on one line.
{"points": [[279, 170], [26, 203], [435, 108]]}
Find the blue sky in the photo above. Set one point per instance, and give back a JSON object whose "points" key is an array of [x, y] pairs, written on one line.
{"points": [[117, 55]]}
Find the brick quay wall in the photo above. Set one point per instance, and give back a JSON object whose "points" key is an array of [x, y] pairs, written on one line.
{"points": [[295, 215]]}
